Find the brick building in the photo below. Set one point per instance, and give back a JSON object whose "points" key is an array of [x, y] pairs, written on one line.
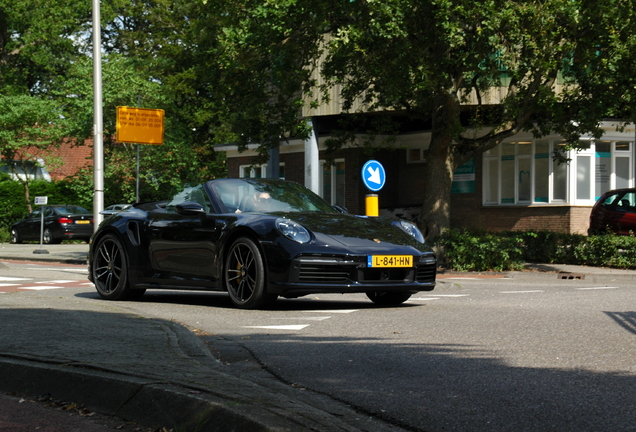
{"points": [[516, 186], [64, 161]]}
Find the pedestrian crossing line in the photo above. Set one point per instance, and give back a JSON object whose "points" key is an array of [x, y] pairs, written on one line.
{"points": [[8, 285], [305, 318], [9, 279]]}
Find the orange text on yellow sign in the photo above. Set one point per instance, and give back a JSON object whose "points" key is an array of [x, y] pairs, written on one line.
{"points": [[140, 125]]}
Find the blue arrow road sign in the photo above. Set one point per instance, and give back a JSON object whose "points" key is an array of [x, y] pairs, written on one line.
{"points": [[373, 175]]}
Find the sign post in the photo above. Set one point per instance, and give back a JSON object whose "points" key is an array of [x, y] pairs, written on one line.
{"points": [[373, 177], [41, 200]]}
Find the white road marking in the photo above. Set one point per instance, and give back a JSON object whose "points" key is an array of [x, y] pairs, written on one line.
{"points": [[56, 282], [452, 295], [460, 277], [335, 311], [421, 299], [596, 288], [6, 278], [8, 285], [520, 292], [305, 318], [280, 327], [41, 287]]}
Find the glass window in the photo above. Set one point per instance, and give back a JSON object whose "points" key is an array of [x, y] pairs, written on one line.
{"points": [[603, 167], [559, 181], [623, 146], [542, 171], [333, 182], [559, 174], [524, 147], [583, 174], [259, 171], [524, 178], [491, 186], [627, 202], [508, 173], [414, 155], [622, 172]]}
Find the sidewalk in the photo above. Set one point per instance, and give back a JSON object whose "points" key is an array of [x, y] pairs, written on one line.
{"points": [[75, 253], [160, 374]]}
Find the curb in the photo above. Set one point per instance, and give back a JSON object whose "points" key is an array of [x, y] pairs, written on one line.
{"points": [[210, 400], [151, 403]]}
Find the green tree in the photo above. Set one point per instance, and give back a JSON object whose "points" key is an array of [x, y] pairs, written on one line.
{"points": [[37, 42], [29, 127], [560, 66], [424, 58]]}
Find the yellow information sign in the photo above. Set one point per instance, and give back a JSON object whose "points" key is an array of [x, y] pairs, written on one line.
{"points": [[140, 125]]}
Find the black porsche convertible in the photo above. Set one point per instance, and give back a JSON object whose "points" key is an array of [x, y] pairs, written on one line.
{"points": [[257, 239]]}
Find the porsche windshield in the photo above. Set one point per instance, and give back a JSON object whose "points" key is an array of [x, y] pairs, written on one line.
{"points": [[266, 196]]}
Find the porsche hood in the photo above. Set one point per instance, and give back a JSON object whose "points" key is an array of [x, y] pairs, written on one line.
{"points": [[353, 231]]}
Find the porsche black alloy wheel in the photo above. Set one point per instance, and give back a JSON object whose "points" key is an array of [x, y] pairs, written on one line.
{"points": [[110, 271], [388, 298], [245, 275]]}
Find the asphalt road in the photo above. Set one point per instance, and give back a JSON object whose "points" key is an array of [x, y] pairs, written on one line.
{"points": [[475, 354]]}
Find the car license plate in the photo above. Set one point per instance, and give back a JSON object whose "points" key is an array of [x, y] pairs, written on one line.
{"points": [[82, 222], [390, 261]]}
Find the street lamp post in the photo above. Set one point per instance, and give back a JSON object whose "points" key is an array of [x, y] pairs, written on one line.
{"points": [[98, 126]]}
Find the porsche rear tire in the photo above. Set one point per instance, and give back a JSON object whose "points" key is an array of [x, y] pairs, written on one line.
{"points": [[388, 298], [245, 275], [109, 269]]}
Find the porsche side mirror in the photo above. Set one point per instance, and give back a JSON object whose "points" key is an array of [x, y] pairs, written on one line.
{"points": [[190, 208]]}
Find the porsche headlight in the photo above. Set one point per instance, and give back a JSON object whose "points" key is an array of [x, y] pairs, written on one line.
{"points": [[410, 229], [293, 230]]}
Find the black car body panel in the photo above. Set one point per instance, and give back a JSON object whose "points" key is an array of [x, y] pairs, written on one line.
{"points": [[184, 245]]}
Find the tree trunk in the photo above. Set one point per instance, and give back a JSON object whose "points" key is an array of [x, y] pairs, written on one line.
{"points": [[438, 179], [27, 196], [25, 184], [439, 166]]}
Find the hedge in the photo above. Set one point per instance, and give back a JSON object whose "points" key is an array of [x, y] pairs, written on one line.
{"points": [[471, 250]]}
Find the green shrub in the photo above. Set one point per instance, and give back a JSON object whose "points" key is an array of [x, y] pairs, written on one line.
{"points": [[13, 205], [473, 250], [480, 251]]}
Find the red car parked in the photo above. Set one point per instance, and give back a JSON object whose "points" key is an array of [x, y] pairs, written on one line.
{"points": [[614, 211]]}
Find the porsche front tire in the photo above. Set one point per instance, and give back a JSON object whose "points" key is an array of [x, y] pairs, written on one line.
{"points": [[110, 270], [245, 275]]}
